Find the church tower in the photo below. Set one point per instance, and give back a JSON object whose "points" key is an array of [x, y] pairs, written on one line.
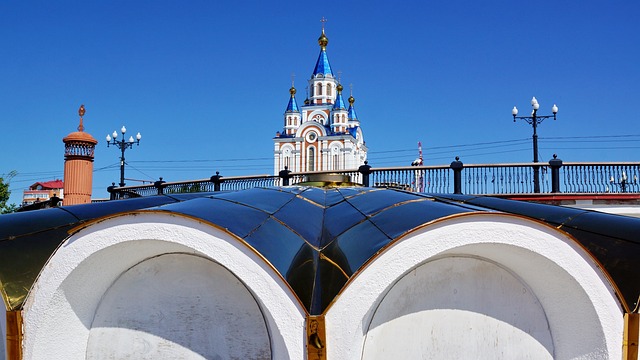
{"points": [[79, 148], [323, 134]]}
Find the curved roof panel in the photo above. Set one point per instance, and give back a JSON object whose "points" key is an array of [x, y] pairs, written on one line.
{"points": [[316, 238]]}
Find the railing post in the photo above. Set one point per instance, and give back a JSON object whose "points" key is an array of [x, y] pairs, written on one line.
{"points": [[555, 165], [112, 191], [457, 166], [160, 186], [54, 201], [285, 176], [216, 180], [365, 170]]}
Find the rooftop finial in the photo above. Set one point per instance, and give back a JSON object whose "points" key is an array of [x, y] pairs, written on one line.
{"points": [[351, 98], [322, 40], [292, 91], [339, 75], [81, 112]]}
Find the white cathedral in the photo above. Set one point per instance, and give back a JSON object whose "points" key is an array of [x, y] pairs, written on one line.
{"points": [[323, 134]]}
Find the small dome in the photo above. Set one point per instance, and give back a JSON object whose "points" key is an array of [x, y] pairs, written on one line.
{"points": [[80, 136], [351, 100], [339, 87], [323, 41], [292, 91]]}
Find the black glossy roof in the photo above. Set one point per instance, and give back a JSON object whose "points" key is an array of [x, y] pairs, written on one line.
{"points": [[315, 238]]}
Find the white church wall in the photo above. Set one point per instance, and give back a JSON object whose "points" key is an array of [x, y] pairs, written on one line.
{"points": [[67, 295], [584, 316]]}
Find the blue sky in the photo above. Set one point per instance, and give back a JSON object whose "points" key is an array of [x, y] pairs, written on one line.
{"points": [[206, 82]]}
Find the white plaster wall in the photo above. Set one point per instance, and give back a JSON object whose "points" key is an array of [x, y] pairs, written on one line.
{"points": [[454, 307], [61, 307], [3, 333], [178, 306], [585, 320]]}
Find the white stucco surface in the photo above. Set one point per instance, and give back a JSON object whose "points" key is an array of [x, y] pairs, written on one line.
{"points": [[59, 311], [181, 307], [584, 319], [457, 306]]}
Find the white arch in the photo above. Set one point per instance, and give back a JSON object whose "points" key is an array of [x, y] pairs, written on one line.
{"points": [[287, 151], [302, 130], [584, 316], [336, 153], [61, 306], [317, 113]]}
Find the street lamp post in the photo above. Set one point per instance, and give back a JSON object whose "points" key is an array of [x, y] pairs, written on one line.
{"points": [[122, 145], [534, 120]]}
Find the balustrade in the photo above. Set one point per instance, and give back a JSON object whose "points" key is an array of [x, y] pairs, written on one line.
{"points": [[475, 179]]}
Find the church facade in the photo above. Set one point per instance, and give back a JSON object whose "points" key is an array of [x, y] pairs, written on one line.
{"points": [[324, 133]]}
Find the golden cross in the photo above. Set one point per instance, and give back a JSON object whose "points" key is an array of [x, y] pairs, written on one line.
{"points": [[323, 20], [293, 78]]}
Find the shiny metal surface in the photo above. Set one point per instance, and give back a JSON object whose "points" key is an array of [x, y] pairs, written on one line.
{"points": [[316, 238], [339, 104], [322, 65]]}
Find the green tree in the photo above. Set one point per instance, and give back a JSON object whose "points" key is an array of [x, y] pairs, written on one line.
{"points": [[5, 193]]}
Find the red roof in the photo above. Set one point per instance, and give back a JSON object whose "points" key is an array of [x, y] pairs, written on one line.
{"points": [[53, 184]]}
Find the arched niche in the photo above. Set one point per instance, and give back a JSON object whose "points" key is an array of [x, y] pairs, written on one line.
{"points": [[178, 306], [412, 287], [85, 293]]}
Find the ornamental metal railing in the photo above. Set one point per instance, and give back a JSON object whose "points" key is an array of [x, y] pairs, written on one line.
{"points": [[455, 178]]}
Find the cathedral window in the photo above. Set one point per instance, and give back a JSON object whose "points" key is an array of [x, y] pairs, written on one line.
{"points": [[329, 89], [319, 89], [311, 160]]}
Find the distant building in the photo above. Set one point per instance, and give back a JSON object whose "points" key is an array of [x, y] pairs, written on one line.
{"points": [[323, 134], [43, 191]]}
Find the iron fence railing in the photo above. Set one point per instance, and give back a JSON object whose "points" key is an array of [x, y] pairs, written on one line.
{"points": [[457, 178], [600, 177], [503, 178]]}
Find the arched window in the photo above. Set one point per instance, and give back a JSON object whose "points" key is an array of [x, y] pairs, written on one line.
{"points": [[311, 159], [287, 162], [319, 88], [328, 89]]}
